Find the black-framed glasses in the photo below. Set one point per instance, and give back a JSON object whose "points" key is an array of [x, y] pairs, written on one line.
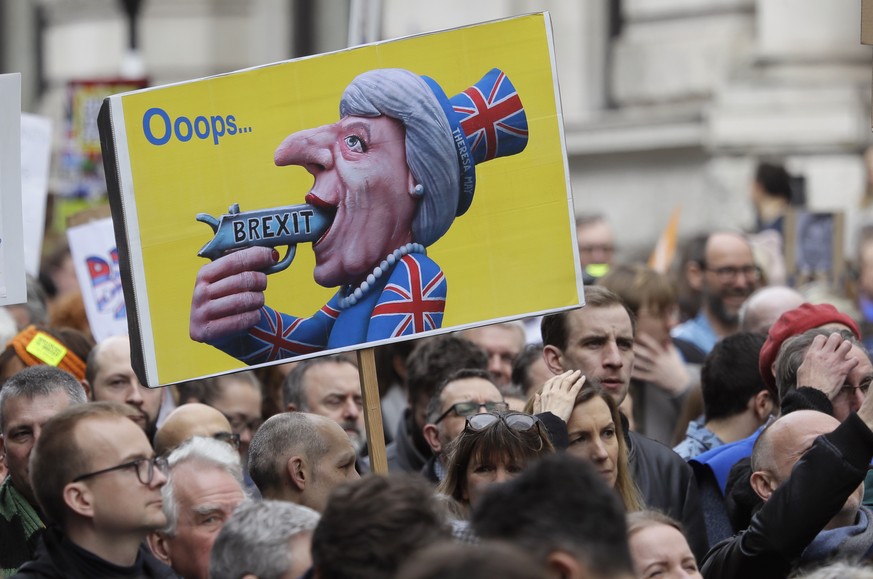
{"points": [[518, 421], [728, 274], [145, 469], [232, 438], [464, 409]]}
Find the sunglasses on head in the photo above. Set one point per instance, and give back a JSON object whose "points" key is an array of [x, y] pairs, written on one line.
{"points": [[518, 421], [465, 409]]}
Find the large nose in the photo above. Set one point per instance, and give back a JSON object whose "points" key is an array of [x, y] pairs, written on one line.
{"points": [[612, 355], [495, 367], [741, 282], [159, 479], [246, 435], [134, 395], [501, 475], [671, 319], [598, 451], [600, 254], [37, 432], [350, 409], [310, 149]]}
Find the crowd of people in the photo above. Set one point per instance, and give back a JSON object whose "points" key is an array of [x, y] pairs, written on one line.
{"points": [[608, 441]]}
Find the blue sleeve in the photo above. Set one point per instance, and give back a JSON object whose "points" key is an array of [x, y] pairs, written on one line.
{"points": [[278, 336], [413, 301]]}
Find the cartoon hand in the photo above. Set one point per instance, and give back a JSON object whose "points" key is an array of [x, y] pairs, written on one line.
{"points": [[826, 365], [228, 294], [558, 395]]}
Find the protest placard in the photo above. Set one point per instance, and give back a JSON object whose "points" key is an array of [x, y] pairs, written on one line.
{"points": [[409, 187], [13, 289], [95, 257]]}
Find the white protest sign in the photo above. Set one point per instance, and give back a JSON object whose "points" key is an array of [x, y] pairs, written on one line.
{"points": [[36, 144], [13, 288], [95, 257]]}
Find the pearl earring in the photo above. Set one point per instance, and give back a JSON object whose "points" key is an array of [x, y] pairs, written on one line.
{"points": [[417, 191]]}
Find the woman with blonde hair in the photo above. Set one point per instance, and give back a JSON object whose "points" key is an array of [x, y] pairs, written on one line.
{"points": [[594, 428], [659, 547]]}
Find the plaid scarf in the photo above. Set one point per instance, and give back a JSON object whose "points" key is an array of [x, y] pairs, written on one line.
{"points": [[19, 529]]}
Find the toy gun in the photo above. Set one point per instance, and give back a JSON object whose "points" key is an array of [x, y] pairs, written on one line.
{"points": [[288, 225]]}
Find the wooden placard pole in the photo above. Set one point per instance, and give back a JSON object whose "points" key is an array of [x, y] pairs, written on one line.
{"points": [[866, 21], [372, 411]]}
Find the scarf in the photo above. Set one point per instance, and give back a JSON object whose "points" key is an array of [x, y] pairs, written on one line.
{"points": [[19, 527]]}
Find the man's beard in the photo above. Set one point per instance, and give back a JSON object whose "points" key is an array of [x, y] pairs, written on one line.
{"points": [[717, 308], [357, 438]]}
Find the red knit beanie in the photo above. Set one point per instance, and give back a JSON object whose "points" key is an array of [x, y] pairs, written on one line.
{"points": [[795, 322]]}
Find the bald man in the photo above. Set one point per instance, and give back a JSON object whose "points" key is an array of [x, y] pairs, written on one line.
{"points": [[191, 420], [726, 277], [808, 468], [300, 458], [765, 305]]}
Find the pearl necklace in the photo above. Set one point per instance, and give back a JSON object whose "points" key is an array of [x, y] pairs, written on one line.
{"points": [[352, 297]]}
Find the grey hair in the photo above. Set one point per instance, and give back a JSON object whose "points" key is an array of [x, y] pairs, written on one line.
{"points": [[430, 150], [38, 381], [794, 349], [255, 539], [294, 386], [203, 451], [274, 442]]}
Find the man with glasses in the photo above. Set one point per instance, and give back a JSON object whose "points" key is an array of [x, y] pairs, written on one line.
{"points": [[464, 393], [301, 458], [428, 365], [190, 420], [110, 377], [596, 245], [97, 479], [812, 372], [204, 487], [27, 401], [726, 277]]}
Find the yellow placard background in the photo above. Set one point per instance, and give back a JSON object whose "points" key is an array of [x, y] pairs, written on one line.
{"points": [[510, 254]]}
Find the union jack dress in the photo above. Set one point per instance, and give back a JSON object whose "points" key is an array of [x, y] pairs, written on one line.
{"points": [[409, 299]]}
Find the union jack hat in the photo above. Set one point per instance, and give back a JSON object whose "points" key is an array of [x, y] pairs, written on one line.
{"points": [[487, 121]]}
